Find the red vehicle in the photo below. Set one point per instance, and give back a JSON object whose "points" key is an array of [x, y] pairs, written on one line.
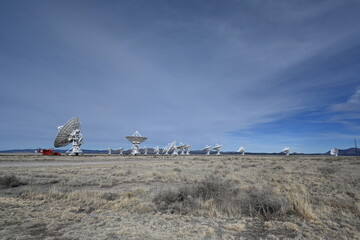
{"points": [[48, 152]]}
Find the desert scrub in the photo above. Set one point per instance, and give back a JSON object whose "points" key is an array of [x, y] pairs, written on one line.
{"points": [[328, 170], [219, 197], [88, 201], [10, 181]]}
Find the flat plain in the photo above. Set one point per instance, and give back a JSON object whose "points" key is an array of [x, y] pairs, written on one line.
{"points": [[179, 197]]}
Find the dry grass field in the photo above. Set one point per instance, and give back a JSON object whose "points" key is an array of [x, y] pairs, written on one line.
{"points": [[182, 197]]}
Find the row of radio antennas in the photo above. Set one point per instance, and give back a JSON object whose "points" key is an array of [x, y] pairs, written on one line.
{"points": [[70, 133], [172, 147], [217, 148]]}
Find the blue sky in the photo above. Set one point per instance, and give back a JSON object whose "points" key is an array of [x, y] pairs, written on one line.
{"points": [[263, 74]]}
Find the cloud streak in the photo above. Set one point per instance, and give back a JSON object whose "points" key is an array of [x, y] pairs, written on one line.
{"points": [[352, 104]]}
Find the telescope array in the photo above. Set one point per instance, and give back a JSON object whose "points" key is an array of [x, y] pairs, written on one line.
{"points": [[70, 133]]}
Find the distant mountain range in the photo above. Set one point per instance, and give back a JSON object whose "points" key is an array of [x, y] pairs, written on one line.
{"points": [[342, 152]]}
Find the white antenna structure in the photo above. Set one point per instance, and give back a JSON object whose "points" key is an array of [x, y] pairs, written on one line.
{"points": [[136, 139], [174, 148], [110, 150], [286, 151], [334, 152], [70, 133], [187, 149], [157, 150], [182, 148], [166, 149], [121, 151], [241, 150], [207, 148], [145, 150], [218, 149]]}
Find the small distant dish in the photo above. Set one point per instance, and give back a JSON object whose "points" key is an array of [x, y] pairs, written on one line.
{"points": [[182, 148], [207, 148], [286, 151], [136, 139], [334, 152], [241, 150], [218, 149]]}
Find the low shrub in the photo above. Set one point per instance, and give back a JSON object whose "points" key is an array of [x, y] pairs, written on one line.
{"points": [[10, 182], [328, 170], [216, 196]]}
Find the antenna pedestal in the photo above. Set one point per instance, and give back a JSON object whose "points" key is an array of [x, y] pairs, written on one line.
{"points": [[135, 149], [76, 139], [74, 151]]}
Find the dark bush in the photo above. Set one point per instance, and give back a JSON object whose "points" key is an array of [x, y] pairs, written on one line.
{"points": [[266, 203], [10, 182]]}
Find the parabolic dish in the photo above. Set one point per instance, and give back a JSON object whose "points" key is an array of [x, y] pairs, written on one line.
{"points": [[62, 138], [136, 139]]}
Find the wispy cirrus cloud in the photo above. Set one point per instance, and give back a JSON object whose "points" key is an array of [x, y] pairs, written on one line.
{"points": [[351, 105]]}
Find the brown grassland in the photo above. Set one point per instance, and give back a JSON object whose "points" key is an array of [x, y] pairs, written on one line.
{"points": [[181, 197]]}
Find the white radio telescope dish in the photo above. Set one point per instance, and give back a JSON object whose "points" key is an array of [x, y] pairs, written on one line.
{"points": [[334, 152], [136, 139], [70, 133], [218, 149], [286, 151], [207, 148], [241, 150], [110, 150]]}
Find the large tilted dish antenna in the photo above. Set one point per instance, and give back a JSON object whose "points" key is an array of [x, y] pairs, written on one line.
{"points": [[63, 137]]}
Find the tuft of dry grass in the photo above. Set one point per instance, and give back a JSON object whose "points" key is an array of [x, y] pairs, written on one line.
{"points": [[299, 201], [236, 227]]}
